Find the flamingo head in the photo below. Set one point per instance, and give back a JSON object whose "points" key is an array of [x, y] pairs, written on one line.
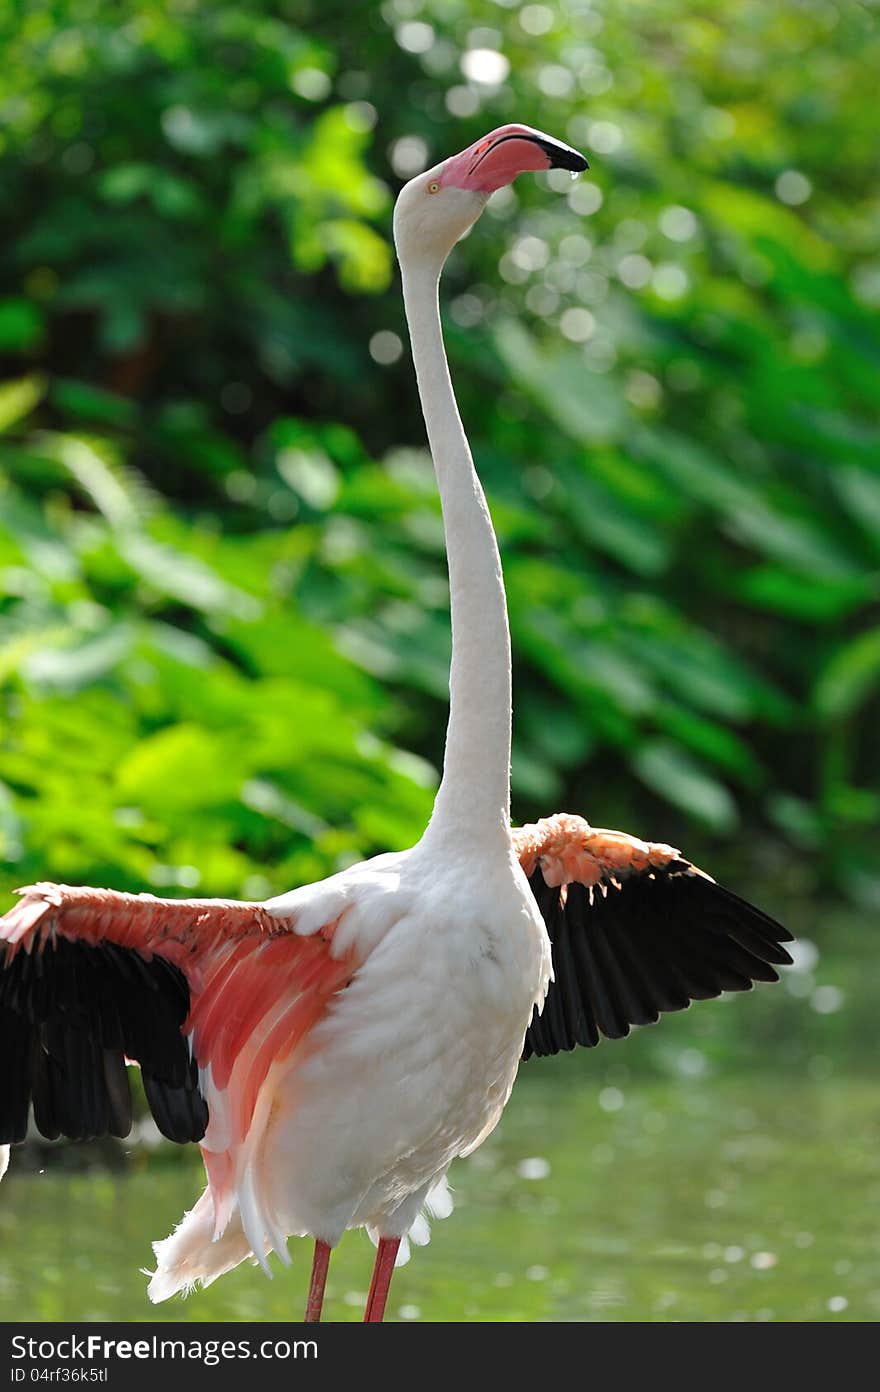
{"points": [[435, 209]]}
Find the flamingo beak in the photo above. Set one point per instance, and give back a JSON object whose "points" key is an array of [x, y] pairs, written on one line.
{"points": [[499, 157], [560, 156]]}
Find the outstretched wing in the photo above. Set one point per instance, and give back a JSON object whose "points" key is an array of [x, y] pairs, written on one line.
{"points": [[635, 930], [187, 988]]}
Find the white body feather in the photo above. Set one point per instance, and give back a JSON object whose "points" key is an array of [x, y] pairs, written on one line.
{"points": [[397, 1079]]}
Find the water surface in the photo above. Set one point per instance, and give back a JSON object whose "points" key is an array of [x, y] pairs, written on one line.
{"points": [[740, 1198]]}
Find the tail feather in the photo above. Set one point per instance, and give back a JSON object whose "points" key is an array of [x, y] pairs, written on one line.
{"points": [[436, 1203], [190, 1257]]}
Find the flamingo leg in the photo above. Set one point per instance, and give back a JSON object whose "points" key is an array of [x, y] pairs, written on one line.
{"points": [[382, 1273], [320, 1263]]}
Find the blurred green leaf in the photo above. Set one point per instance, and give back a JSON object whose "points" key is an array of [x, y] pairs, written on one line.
{"points": [[850, 677], [363, 257], [859, 491], [18, 399], [83, 401], [682, 781], [586, 408], [797, 596], [181, 769], [21, 325], [799, 543]]}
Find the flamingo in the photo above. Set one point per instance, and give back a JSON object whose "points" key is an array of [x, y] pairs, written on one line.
{"points": [[335, 1048]]}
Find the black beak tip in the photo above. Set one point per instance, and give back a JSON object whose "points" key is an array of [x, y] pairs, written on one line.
{"points": [[563, 157]]}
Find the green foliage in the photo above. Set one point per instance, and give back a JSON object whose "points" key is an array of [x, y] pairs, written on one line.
{"points": [[223, 613]]}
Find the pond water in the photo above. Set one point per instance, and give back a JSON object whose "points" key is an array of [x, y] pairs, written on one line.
{"points": [[696, 1200], [722, 1165]]}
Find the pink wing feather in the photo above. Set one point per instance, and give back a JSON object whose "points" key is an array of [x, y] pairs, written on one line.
{"points": [[255, 987]]}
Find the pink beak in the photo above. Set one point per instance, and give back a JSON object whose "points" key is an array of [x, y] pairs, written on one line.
{"points": [[498, 157]]}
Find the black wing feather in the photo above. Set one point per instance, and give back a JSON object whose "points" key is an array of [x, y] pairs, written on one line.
{"points": [[70, 1013], [579, 1030], [16, 1048], [641, 944]]}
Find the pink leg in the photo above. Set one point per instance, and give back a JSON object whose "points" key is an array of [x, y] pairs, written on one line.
{"points": [[320, 1263], [382, 1273]]}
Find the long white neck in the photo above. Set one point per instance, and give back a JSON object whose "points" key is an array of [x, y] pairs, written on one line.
{"points": [[473, 801]]}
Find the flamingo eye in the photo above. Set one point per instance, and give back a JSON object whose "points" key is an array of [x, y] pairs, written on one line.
{"points": [[434, 186]]}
